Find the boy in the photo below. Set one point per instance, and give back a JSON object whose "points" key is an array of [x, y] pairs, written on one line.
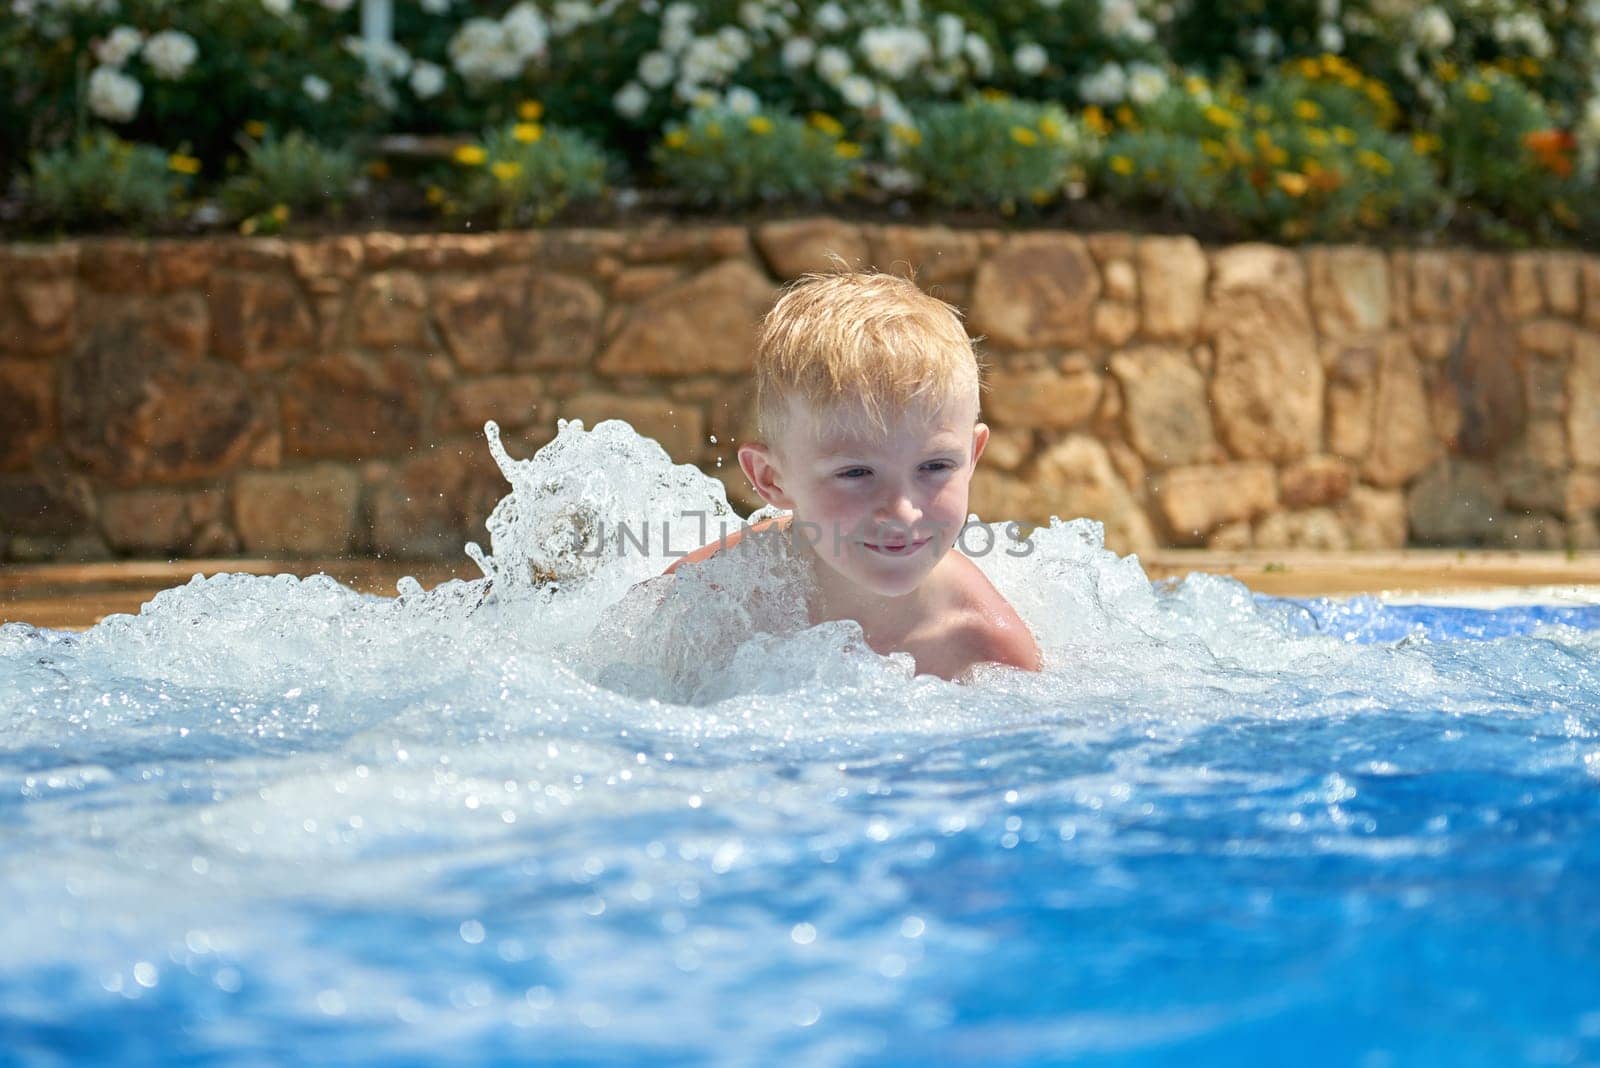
{"points": [[866, 406]]}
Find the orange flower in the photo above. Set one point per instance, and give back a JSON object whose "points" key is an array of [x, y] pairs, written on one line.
{"points": [[1553, 149]]}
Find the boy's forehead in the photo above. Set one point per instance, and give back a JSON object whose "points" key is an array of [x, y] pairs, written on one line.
{"points": [[838, 425]]}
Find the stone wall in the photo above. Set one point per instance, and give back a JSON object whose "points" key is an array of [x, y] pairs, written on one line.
{"points": [[265, 396]]}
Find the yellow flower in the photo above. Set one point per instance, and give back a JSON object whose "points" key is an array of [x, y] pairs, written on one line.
{"points": [[759, 125], [1317, 138], [183, 164], [847, 150], [1126, 117], [1022, 135], [280, 213], [1217, 115], [1564, 214], [469, 155], [1307, 110], [1293, 184], [435, 195], [527, 132], [1372, 161], [1213, 148], [505, 170], [248, 227], [1261, 113], [1276, 155], [713, 130], [826, 123], [1529, 67], [1295, 229], [1425, 144], [676, 138], [1052, 129], [995, 95], [1309, 68], [1040, 196], [1479, 91], [1446, 70], [1122, 165], [378, 169], [1095, 120], [1344, 135], [906, 135], [530, 111], [255, 128], [1195, 85]]}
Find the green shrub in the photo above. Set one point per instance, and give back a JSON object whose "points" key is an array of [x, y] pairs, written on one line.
{"points": [[521, 174], [1500, 149], [992, 150], [1294, 159], [103, 180], [721, 156], [296, 172]]}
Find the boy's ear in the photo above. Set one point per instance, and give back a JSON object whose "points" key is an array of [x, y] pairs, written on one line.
{"points": [[758, 465], [980, 439]]}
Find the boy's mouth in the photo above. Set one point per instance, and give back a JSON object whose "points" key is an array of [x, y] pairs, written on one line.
{"points": [[896, 548]]}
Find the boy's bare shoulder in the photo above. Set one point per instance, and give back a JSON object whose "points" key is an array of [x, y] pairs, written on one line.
{"points": [[989, 626], [706, 552]]}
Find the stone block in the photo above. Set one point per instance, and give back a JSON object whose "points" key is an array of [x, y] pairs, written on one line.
{"points": [[260, 321], [679, 428], [49, 314], [1172, 287], [1314, 528], [434, 503], [1589, 273], [391, 310], [1349, 291], [1115, 323], [28, 401], [1455, 502], [45, 504], [1403, 442], [1524, 285], [181, 264], [1075, 478], [631, 283], [704, 325], [1314, 481], [1549, 338], [1008, 450], [328, 264], [510, 400], [930, 254], [308, 511], [677, 243], [1441, 284], [351, 406], [799, 246], [1041, 399], [1374, 518], [1121, 282], [1267, 388], [181, 323], [518, 317], [1037, 291], [115, 265], [1583, 399], [1196, 500], [146, 522], [1563, 286], [1165, 407]]}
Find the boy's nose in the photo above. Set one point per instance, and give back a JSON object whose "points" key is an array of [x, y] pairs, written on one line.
{"points": [[899, 508]]}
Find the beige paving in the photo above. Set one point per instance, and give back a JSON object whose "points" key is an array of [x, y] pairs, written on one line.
{"points": [[74, 596]]}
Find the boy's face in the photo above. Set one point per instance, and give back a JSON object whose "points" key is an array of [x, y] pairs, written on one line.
{"points": [[881, 507]]}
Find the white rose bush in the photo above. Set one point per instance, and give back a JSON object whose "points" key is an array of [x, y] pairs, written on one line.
{"points": [[1227, 113]]}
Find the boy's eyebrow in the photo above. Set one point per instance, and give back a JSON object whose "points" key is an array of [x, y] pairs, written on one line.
{"points": [[852, 450]]}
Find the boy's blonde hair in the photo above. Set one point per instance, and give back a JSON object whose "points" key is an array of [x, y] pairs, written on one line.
{"points": [[866, 341]]}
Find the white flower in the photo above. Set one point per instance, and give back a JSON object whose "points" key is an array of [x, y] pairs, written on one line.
{"points": [[857, 91], [113, 95], [427, 80], [977, 53], [525, 31], [1146, 81], [436, 7], [1108, 85], [337, 5], [315, 88], [1433, 29], [831, 18], [569, 15], [1524, 28], [277, 7], [1030, 59], [1263, 43], [895, 180], [656, 69], [741, 101], [894, 51], [1121, 18], [833, 64], [798, 51], [631, 100], [752, 14], [681, 13], [170, 54], [481, 52], [118, 46], [1330, 37], [735, 42], [951, 32]]}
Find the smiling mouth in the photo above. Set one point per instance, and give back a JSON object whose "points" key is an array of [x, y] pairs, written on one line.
{"points": [[896, 548]]}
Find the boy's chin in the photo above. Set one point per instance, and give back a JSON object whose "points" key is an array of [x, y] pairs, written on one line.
{"points": [[880, 579]]}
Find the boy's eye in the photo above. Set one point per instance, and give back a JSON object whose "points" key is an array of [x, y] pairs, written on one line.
{"points": [[855, 472], [939, 466]]}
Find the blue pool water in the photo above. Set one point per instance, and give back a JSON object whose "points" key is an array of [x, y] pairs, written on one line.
{"points": [[273, 821]]}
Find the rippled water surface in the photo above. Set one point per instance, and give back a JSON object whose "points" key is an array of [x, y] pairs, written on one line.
{"points": [[540, 818]]}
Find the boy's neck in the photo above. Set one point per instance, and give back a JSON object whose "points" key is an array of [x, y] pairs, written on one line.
{"points": [[838, 598]]}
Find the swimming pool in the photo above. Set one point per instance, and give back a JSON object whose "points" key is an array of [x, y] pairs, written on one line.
{"points": [[270, 819]]}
